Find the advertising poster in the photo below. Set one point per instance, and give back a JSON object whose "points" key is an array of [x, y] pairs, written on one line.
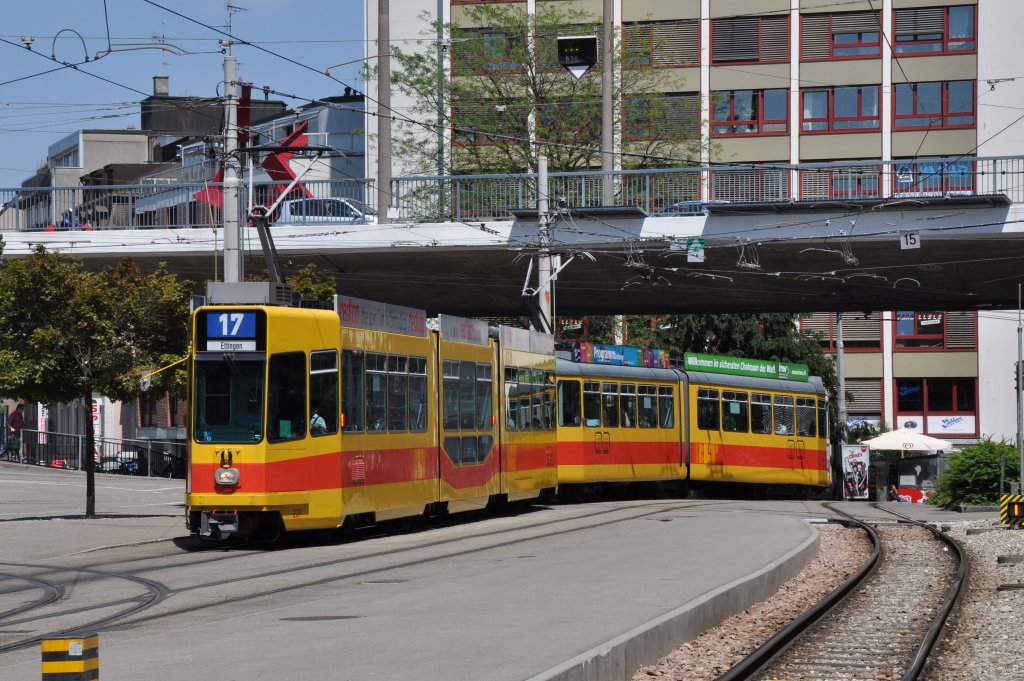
{"points": [[856, 459]]}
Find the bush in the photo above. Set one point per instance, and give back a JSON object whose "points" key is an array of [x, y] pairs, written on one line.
{"points": [[972, 477]]}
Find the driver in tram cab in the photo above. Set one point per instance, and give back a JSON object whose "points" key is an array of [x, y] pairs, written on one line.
{"points": [[317, 424]]}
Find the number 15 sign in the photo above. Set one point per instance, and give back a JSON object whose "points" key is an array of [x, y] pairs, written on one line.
{"points": [[910, 240]]}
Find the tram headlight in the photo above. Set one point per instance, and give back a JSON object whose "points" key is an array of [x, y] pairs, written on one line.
{"points": [[227, 477]]}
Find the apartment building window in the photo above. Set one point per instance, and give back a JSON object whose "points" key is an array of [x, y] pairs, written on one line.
{"points": [[840, 36], [490, 123], [934, 177], [940, 406], [744, 112], [149, 413], [935, 30], [568, 119], [662, 43], [947, 104], [481, 51], [67, 160], [661, 116], [861, 332], [918, 329], [841, 182], [841, 109], [750, 39]]}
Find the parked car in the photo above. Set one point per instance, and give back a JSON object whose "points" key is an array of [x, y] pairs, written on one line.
{"points": [[324, 211]]}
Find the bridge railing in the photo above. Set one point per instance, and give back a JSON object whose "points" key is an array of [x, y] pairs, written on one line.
{"points": [[491, 197]]}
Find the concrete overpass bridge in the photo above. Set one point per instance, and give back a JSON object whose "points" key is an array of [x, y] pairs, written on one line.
{"points": [[892, 246]]}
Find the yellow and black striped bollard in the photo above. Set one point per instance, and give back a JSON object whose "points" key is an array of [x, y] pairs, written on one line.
{"points": [[75, 658], [1011, 509]]}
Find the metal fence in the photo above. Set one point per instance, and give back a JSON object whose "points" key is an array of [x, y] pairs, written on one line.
{"points": [[490, 197], [155, 458]]}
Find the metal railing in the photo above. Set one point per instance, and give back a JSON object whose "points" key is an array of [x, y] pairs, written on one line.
{"points": [[492, 197], [115, 456]]}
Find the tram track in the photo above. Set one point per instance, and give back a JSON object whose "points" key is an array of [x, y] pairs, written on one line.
{"points": [[882, 622]]}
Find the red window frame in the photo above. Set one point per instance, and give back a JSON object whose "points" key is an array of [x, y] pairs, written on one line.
{"points": [[649, 63], [926, 409], [942, 116], [833, 120], [860, 44], [760, 48], [944, 41], [758, 123], [918, 319]]}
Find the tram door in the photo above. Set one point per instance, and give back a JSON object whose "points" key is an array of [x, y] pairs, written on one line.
{"points": [[469, 461]]}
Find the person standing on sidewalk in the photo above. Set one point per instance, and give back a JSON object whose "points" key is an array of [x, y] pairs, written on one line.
{"points": [[15, 422]]}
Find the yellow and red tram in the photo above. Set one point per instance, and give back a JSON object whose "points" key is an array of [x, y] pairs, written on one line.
{"points": [[314, 419]]}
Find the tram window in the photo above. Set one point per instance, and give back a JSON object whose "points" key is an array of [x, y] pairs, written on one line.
{"points": [[610, 404], [627, 405], [568, 403], [451, 395], [286, 396], [782, 423], [467, 395], [484, 445], [418, 410], [761, 413], [707, 409], [592, 404], [398, 392], [511, 398], [228, 400], [523, 417], [735, 417], [547, 415], [469, 449], [666, 406], [453, 448], [376, 393], [352, 381], [805, 416], [323, 392], [537, 408], [822, 418], [484, 406], [647, 404]]}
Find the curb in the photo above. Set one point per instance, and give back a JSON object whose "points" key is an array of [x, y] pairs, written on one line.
{"points": [[619, 658]]}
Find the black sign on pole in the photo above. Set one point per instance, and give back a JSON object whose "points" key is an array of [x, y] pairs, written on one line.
{"points": [[577, 53]]}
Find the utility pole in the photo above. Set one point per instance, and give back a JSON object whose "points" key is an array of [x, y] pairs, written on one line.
{"points": [[233, 262], [841, 397], [440, 109], [607, 129], [546, 314], [383, 112], [1020, 401]]}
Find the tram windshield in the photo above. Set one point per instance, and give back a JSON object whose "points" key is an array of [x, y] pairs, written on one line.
{"points": [[228, 399]]}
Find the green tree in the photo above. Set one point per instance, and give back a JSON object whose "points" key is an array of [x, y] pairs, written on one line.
{"points": [[66, 333], [501, 88], [972, 477]]}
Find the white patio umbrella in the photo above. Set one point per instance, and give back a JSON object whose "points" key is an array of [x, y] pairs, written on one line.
{"points": [[903, 440]]}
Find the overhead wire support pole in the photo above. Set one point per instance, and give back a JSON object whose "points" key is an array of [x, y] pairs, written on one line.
{"points": [[1020, 401], [607, 127], [233, 261], [545, 314], [383, 112]]}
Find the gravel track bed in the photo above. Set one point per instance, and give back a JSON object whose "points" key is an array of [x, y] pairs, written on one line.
{"points": [[875, 633], [840, 553], [982, 640]]}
